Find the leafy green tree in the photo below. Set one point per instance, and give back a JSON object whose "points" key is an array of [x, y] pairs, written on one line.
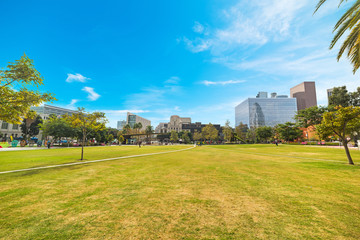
{"points": [[251, 135], [289, 131], [186, 138], [342, 122], [310, 116], [349, 22], [148, 131], [241, 131], [109, 138], [340, 97], [264, 133], [87, 123], [57, 128], [19, 84], [227, 131], [121, 139], [174, 136], [197, 136], [209, 132], [30, 127]]}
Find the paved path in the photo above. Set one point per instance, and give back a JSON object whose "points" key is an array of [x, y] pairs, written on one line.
{"points": [[93, 161]]}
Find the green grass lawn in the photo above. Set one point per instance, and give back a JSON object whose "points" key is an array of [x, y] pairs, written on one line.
{"points": [[210, 192]]}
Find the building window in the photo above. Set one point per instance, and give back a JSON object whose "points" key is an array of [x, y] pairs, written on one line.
{"points": [[4, 125], [15, 126]]}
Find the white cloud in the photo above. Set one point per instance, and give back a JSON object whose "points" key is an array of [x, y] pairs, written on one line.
{"points": [[173, 80], [248, 23], [76, 78], [93, 96], [71, 105], [208, 83], [198, 27]]}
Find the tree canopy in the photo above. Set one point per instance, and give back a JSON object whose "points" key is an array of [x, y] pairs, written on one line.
{"points": [[17, 94]]}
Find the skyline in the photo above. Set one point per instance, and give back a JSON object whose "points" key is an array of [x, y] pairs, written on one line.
{"points": [[166, 58]]}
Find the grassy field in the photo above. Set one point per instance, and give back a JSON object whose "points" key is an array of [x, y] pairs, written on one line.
{"points": [[210, 192]]}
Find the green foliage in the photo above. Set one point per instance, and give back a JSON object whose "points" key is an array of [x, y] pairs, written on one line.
{"points": [[241, 131], [87, 123], [288, 131], [57, 128], [209, 132], [121, 139], [17, 94], [349, 22], [264, 133], [197, 136], [227, 131], [174, 136], [30, 127], [250, 135], [310, 116], [186, 138], [342, 122]]}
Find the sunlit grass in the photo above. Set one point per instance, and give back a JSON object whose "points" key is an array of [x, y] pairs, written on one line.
{"points": [[211, 192]]}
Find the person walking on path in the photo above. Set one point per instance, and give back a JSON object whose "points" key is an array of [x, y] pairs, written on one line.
{"points": [[140, 144], [276, 142], [49, 144]]}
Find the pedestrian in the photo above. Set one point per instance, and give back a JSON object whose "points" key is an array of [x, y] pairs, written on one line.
{"points": [[49, 144], [139, 144], [276, 142]]}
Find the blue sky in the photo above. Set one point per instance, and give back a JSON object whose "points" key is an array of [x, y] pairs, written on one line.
{"points": [[158, 58]]}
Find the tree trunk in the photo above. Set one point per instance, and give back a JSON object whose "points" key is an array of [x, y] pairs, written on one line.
{"points": [[82, 146], [347, 152]]}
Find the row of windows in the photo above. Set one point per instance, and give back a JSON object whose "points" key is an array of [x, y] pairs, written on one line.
{"points": [[5, 125]]}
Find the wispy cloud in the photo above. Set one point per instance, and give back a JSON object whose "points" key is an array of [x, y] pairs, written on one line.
{"points": [[76, 78], [71, 105], [93, 96], [173, 80], [198, 27], [208, 83]]}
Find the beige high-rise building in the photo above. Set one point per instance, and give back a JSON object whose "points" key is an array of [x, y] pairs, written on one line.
{"points": [[305, 94], [175, 124]]}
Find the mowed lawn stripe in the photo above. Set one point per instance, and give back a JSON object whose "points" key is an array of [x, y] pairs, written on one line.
{"points": [[93, 161]]}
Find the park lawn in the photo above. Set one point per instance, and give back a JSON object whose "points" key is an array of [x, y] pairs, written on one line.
{"points": [[13, 160], [210, 192]]}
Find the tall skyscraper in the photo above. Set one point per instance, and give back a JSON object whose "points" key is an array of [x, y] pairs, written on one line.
{"points": [[263, 111], [305, 94]]}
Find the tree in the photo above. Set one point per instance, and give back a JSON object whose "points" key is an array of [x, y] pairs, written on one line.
{"points": [[340, 97], [17, 82], [209, 132], [121, 138], [264, 133], [174, 136], [310, 116], [148, 131], [343, 122], [288, 131], [227, 131], [30, 127], [57, 128], [251, 135], [109, 138], [86, 122], [186, 138], [126, 129], [197, 136], [241, 131], [349, 22]]}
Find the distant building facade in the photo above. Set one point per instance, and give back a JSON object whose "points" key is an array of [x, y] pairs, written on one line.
{"points": [[121, 124], [131, 119], [264, 111], [198, 126], [329, 94], [305, 94], [175, 124], [14, 130]]}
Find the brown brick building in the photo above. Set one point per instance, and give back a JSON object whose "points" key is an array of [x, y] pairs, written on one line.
{"points": [[305, 94]]}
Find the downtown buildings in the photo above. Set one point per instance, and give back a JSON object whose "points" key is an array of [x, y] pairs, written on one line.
{"points": [[276, 109]]}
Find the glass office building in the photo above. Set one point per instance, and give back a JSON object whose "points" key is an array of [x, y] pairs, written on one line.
{"points": [[263, 111]]}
